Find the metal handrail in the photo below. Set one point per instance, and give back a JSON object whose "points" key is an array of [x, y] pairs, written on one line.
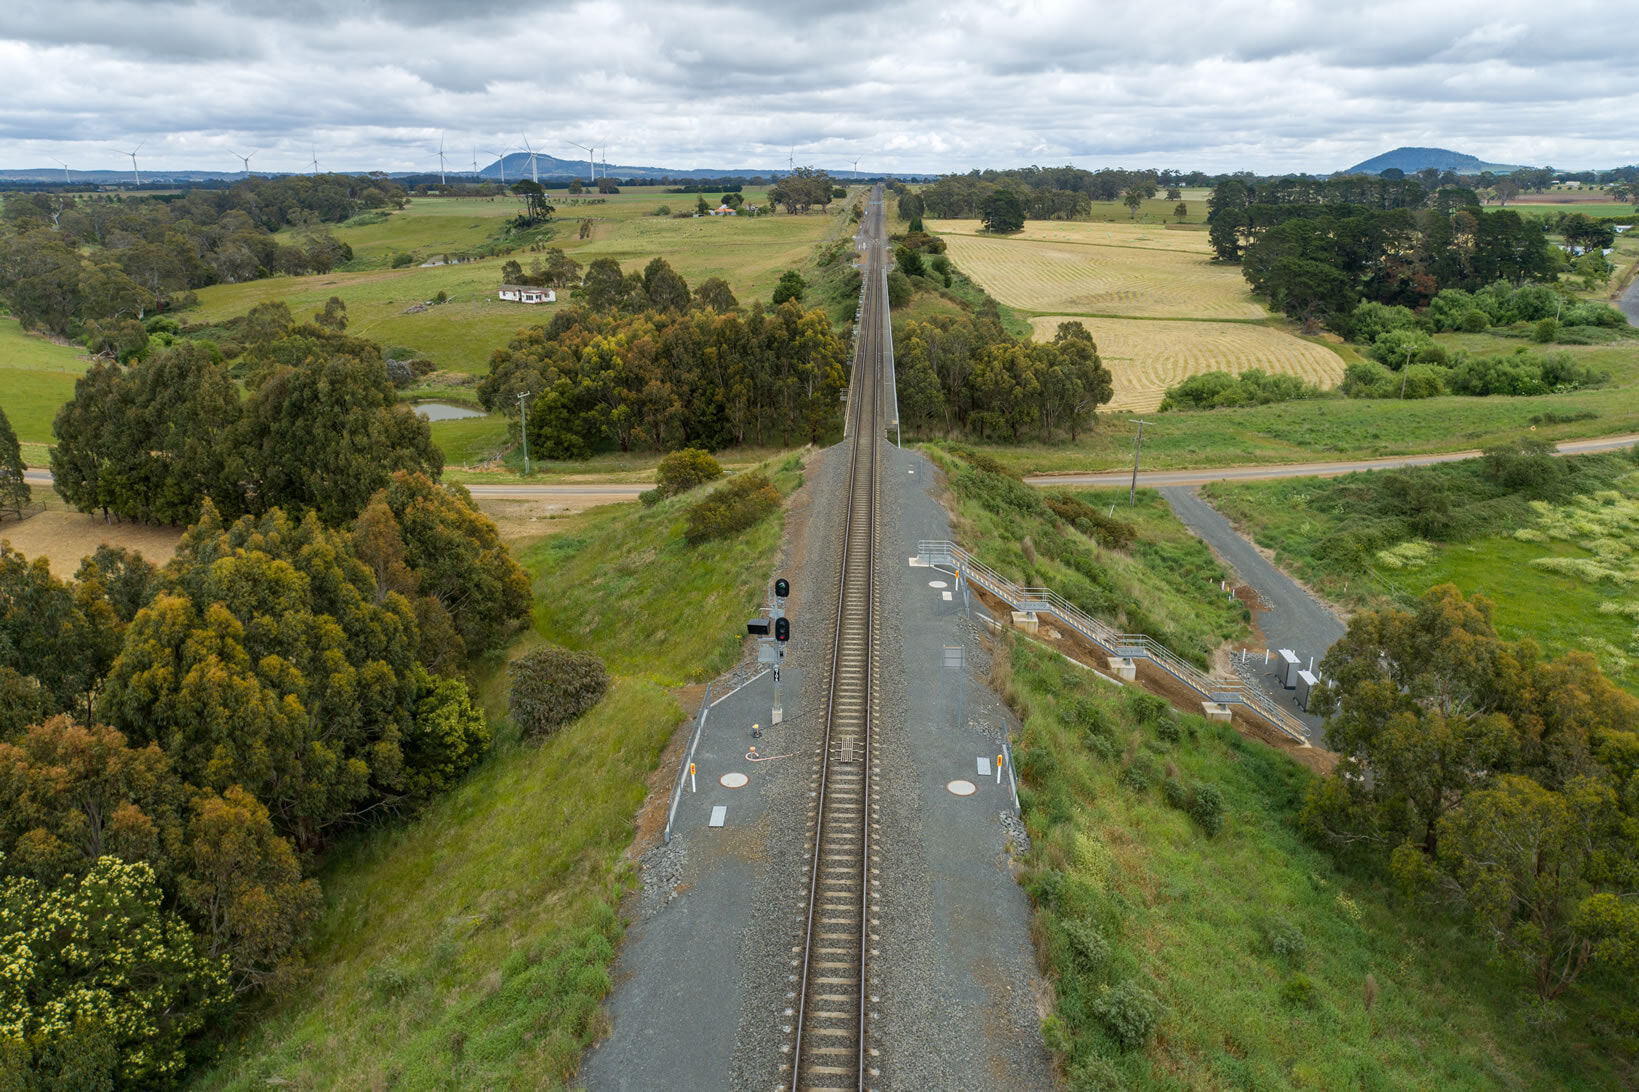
{"points": [[937, 552]]}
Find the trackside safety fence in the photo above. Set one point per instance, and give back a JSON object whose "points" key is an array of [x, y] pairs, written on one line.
{"points": [[1135, 646]]}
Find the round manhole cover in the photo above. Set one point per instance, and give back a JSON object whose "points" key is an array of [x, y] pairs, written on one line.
{"points": [[937, 584], [734, 780], [962, 788]]}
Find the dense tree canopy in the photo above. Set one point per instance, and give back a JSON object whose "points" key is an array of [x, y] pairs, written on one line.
{"points": [[322, 429], [970, 375], [1498, 781], [655, 381]]}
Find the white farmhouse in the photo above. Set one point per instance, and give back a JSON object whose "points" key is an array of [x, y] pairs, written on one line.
{"points": [[527, 293]]}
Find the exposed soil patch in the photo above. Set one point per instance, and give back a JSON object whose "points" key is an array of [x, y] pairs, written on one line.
{"points": [[63, 537], [523, 521]]}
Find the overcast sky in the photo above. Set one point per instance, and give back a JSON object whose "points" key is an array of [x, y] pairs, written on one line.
{"points": [[1269, 86]]}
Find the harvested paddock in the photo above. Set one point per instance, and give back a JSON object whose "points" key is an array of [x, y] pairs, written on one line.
{"points": [[1146, 356], [1104, 269]]}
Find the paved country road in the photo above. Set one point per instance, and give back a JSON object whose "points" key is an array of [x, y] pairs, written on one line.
{"points": [[619, 491]]}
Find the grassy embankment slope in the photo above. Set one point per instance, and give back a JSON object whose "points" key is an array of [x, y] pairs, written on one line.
{"points": [[1256, 945], [1346, 537], [469, 946]]}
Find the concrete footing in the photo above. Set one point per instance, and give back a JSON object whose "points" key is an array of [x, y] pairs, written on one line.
{"points": [[1123, 668], [1214, 710], [1025, 620]]}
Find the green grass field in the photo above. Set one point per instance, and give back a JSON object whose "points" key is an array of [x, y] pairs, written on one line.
{"points": [[1558, 610], [469, 947], [1596, 209], [36, 378], [749, 253], [1256, 945]]}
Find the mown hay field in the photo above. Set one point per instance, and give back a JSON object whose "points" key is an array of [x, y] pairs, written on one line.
{"points": [[1138, 270], [1146, 356]]}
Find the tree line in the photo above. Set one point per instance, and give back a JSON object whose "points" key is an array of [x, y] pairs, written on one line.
{"points": [[1315, 254], [696, 372], [967, 375], [1492, 781], [70, 264]]}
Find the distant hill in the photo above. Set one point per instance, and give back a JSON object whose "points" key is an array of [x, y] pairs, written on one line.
{"points": [[515, 166], [1412, 160]]}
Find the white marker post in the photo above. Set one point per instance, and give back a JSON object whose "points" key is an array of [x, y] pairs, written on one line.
{"points": [[691, 777], [998, 769]]}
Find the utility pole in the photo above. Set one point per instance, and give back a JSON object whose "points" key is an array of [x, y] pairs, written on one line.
{"points": [[1132, 494], [523, 404], [1405, 371]]}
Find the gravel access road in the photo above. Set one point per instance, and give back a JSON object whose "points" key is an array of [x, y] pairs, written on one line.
{"points": [[1162, 478], [1291, 617]]}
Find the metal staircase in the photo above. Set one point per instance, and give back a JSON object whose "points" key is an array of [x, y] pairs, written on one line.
{"points": [[1136, 646]]}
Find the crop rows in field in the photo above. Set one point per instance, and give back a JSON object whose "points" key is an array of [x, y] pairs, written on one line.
{"points": [[1147, 279], [1147, 356]]}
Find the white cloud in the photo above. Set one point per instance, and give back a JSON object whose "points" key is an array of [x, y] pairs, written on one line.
{"points": [[1265, 85]]}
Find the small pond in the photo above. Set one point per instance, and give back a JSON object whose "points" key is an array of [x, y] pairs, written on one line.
{"points": [[444, 411]]}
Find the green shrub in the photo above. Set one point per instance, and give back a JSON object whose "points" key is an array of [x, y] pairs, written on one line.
{"points": [[1206, 807], [1130, 1013], [1284, 939], [1139, 773], [745, 500], [1167, 730], [682, 470], [1298, 991], [1545, 330], [402, 259], [1096, 1074], [1474, 321], [899, 290], [1092, 951], [650, 497], [552, 686], [1111, 533], [1176, 794]]}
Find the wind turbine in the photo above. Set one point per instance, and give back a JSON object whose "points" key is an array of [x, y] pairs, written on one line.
{"points": [[501, 160], [475, 162], [64, 166], [441, 159], [315, 148], [605, 148], [591, 173], [246, 160], [133, 154], [534, 175]]}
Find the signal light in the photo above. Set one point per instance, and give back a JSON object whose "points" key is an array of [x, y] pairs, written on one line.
{"points": [[782, 629], [782, 588]]}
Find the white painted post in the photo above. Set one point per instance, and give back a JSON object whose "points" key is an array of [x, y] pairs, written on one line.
{"points": [[998, 769], [691, 777], [1266, 657]]}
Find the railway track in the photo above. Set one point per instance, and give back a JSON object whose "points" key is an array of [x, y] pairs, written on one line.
{"points": [[833, 1018]]}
